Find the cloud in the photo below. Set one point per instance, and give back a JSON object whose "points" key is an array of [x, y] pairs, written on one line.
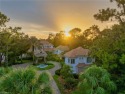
{"points": [[31, 29], [47, 16]]}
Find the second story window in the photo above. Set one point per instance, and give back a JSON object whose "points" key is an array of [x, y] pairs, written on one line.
{"points": [[68, 60], [80, 58], [72, 61]]}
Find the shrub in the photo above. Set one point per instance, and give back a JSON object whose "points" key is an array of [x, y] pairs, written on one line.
{"points": [[66, 71], [4, 71], [53, 57], [46, 90], [27, 58], [76, 76], [43, 78], [62, 63], [70, 83], [57, 72]]}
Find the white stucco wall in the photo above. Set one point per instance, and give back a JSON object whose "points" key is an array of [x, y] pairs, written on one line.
{"points": [[47, 46], [80, 59], [73, 66], [57, 52]]}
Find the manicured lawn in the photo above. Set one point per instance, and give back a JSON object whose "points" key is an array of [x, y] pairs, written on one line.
{"points": [[60, 86], [18, 62], [24, 61]]}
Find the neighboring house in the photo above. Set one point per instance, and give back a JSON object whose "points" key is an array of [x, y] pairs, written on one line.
{"points": [[46, 46], [78, 59], [60, 49], [39, 53]]}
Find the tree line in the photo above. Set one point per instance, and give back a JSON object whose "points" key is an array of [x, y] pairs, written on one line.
{"points": [[13, 43]]}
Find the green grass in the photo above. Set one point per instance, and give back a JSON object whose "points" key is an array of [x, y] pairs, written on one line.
{"points": [[50, 65], [60, 86], [23, 61]]}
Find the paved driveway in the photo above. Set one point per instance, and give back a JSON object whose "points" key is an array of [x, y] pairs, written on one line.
{"points": [[22, 65], [52, 73], [57, 66]]}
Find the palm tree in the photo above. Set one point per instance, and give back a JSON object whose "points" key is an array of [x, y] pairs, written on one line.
{"points": [[25, 82], [4, 71], [95, 80], [33, 41]]}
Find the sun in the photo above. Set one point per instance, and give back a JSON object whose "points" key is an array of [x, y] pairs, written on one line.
{"points": [[67, 29]]}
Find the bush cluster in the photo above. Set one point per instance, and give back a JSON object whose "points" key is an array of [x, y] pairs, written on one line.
{"points": [[53, 57], [24, 82], [4, 71], [70, 83], [69, 78], [57, 72]]}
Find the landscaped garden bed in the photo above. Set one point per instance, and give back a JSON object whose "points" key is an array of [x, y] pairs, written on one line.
{"points": [[66, 81], [59, 84], [44, 66]]}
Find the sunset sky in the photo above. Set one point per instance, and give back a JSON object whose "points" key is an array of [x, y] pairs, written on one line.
{"points": [[41, 17]]}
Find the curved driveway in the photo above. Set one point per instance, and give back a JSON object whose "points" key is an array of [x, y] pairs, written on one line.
{"points": [[51, 72], [57, 66]]}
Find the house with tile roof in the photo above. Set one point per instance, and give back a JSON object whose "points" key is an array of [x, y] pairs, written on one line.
{"points": [[78, 59], [46, 46], [60, 49], [39, 53]]}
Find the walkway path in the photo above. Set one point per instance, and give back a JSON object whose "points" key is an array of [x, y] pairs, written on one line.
{"points": [[51, 72], [57, 66], [22, 65]]}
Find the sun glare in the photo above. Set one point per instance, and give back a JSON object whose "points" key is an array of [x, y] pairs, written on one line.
{"points": [[67, 29]]}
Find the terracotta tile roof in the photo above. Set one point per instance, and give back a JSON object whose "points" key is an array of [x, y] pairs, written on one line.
{"points": [[82, 65], [77, 52], [44, 42], [62, 48], [40, 53], [48, 49]]}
